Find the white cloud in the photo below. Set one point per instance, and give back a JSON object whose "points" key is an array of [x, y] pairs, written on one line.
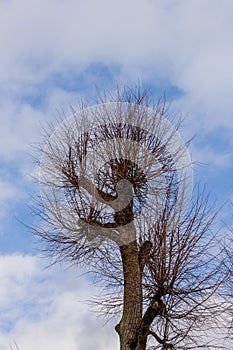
{"points": [[41, 309], [187, 44], [210, 157], [180, 38], [6, 191], [9, 195], [19, 128]]}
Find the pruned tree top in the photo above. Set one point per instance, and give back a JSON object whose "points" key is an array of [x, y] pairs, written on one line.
{"points": [[116, 195]]}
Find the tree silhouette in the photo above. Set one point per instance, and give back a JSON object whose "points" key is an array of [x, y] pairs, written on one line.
{"points": [[116, 187]]}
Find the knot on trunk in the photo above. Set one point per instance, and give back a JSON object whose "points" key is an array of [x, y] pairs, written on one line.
{"points": [[159, 307]]}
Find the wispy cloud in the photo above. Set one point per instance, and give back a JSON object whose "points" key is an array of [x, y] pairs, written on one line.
{"points": [[8, 193], [187, 43]]}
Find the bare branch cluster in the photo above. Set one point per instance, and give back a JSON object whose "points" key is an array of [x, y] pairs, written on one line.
{"points": [[115, 196]]}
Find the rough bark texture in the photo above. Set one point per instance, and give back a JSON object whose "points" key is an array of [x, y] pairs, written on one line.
{"points": [[155, 309], [132, 311], [134, 327]]}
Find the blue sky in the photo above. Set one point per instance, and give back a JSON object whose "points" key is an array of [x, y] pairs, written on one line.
{"points": [[52, 53]]}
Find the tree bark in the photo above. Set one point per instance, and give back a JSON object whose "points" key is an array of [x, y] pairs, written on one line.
{"points": [[132, 308], [134, 327], [156, 308]]}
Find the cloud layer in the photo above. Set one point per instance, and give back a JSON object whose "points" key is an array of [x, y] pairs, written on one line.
{"points": [[42, 309], [186, 43], [51, 48]]}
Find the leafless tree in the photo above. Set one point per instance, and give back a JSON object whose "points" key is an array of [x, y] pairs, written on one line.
{"points": [[116, 183]]}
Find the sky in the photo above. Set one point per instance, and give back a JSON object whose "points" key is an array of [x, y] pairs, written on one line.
{"points": [[51, 54]]}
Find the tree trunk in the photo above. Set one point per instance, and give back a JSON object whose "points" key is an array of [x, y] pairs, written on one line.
{"points": [[156, 308], [132, 308]]}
